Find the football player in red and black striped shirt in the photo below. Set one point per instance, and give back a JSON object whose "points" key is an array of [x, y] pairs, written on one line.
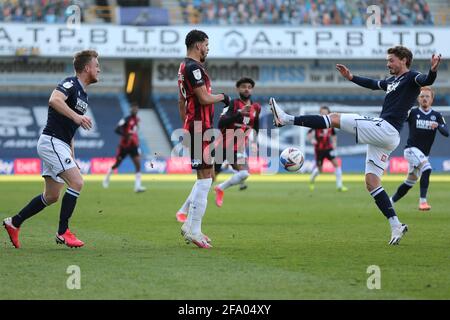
{"points": [[196, 105], [324, 141], [127, 128], [238, 122]]}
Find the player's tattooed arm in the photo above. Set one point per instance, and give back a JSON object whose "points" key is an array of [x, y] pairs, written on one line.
{"points": [[58, 102]]}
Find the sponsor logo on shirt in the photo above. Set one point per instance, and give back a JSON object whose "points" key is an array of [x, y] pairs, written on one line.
{"points": [[81, 106], [424, 124]]}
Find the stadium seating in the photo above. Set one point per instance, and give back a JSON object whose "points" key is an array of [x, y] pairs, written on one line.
{"points": [[303, 12], [235, 12]]}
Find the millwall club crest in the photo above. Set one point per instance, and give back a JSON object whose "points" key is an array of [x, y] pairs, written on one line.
{"points": [[67, 85], [197, 74], [433, 118]]}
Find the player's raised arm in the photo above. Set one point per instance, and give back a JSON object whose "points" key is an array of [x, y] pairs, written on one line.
{"points": [[361, 81], [428, 79], [58, 102]]}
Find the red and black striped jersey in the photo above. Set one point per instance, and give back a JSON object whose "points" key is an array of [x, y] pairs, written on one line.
{"points": [[128, 129], [235, 117], [191, 75], [323, 138]]}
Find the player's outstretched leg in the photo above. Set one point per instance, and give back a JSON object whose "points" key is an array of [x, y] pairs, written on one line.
{"points": [[424, 183], [69, 201], [281, 118], [235, 179]]}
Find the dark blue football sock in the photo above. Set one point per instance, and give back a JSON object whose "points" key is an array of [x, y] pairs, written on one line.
{"points": [[315, 122], [68, 205], [34, 206], [383, 202], [424, 183], [401, 191]]}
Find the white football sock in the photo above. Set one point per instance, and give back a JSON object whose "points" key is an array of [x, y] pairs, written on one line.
{"points": [[394, 222], [338, 172], [314, 174], [198, 205], [423, 200], [236, 178], [108, 176], [185, 207], [288, 119], [137, 182]]}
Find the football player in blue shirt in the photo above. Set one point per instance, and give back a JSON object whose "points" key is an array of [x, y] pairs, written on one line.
{"points": [[423, 123], [68, 104], [382, 134]]}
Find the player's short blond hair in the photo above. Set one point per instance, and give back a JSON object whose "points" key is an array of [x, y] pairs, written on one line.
{"points": [[428, 89]]}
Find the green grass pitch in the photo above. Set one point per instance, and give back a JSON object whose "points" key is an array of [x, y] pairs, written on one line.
{"points": [[275, 240]]}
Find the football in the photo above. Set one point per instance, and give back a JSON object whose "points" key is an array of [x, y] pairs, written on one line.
{"points": [[292, 159]]}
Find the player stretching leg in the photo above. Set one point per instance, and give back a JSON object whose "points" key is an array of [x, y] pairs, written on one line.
{"points": [[241, 115], [423, 122], [129, 145], [196, 105], [380, 134], [67, 105], [218, 168], [325, 144]]}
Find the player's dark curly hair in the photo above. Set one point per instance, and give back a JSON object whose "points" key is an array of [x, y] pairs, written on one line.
{"points": [[83, 58], [245, 80], [401, 53], [193, 37]]}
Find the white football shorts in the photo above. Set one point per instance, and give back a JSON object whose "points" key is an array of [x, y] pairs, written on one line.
{"points": [[415, 159], [379, 135], [56, 157]]}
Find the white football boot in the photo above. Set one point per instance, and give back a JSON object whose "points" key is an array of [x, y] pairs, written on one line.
{"points": [[398, 233], [278, 114]]}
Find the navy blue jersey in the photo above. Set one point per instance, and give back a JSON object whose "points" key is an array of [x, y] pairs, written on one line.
{"points": [[401, 94], [58, 125], [421, 135]]}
